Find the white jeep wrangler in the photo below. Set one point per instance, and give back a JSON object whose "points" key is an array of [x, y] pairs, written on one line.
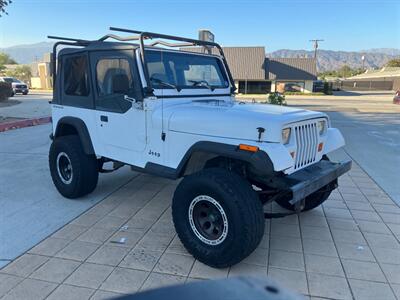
{"points": [[172, 113]]}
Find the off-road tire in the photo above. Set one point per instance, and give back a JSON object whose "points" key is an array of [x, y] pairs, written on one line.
{"points": [[84, 167], [312, 201], [244, 214]]}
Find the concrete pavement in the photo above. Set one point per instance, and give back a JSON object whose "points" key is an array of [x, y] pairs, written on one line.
{"points": [[26, 107], [346, 249], [31, 208], [370, 124]]}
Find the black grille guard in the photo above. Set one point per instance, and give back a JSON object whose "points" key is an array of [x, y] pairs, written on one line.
{"points": [[308, 180]]}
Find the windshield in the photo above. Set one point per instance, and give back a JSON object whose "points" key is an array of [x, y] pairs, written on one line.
{"points": [[185, 71], [10, 79]]}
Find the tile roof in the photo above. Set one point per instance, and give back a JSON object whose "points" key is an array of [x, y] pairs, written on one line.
{"points": [[291, 69], [381, 73], [250, 63], [244, 62]]}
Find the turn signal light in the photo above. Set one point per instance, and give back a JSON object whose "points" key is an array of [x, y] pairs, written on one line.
{"points": [[248, 148], [320, 146]]}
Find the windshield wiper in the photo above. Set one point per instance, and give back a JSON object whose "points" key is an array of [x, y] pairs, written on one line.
{"points": [[202, 83], [159, 81]]}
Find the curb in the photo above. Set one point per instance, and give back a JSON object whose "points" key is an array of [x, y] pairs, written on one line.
{"points": [[24, 123]]}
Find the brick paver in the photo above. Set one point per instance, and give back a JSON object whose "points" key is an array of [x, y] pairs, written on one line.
{"points": [[346, 249]]}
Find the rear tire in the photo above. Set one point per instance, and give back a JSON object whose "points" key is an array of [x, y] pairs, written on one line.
{"points": [[74, 173], [218, 217]]}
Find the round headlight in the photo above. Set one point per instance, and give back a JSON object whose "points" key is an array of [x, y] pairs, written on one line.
{"points": [[321, 127], [286, 135]]}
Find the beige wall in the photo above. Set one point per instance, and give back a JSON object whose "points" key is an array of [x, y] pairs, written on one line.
{"points": [[43, 78], [35, 83], [273, 86], [308, 86]]}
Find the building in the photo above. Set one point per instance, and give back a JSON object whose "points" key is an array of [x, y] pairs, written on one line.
{"points": [[387, 78], [41, 73], [251, 70], [291, 74], [254, 73]]}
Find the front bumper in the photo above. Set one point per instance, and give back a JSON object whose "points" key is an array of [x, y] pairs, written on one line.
{"points": [[21, 90], [308, 180]]}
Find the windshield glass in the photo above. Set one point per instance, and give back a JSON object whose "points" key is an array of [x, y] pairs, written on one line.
{"points": [[10, 79], [185, 71]]}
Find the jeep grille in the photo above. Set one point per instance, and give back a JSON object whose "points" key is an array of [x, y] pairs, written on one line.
{"points": [[307, 144]]}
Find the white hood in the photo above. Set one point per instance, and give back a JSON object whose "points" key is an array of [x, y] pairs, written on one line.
{"points": [[235, 120]]}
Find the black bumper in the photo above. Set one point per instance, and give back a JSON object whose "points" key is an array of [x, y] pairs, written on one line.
{"points": [[308, 180]]}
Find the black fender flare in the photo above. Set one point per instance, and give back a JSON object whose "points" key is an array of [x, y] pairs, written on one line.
{"points": [[80, 128], [259, 161]]}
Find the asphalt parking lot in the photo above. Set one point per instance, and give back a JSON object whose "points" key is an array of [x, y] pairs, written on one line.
{"points": [[347, 249]]}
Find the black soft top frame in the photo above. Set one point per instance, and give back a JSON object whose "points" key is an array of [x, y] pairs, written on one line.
{"points": [[141, 36]]}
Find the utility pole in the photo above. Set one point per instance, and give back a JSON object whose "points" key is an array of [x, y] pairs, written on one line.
{"points": [[316, 46]]}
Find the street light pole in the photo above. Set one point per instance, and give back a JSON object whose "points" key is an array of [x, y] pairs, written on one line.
{"points": [[363, 60]]}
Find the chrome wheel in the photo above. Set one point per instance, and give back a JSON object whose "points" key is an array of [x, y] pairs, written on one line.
{"points": [[208, 220], [64, 168]]}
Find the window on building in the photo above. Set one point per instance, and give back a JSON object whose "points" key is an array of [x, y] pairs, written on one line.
{"points": [[254, 87], [76, 77], [292, 86]]}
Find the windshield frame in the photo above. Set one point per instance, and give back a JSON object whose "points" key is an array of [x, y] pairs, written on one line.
{"points": [[222, 71]]}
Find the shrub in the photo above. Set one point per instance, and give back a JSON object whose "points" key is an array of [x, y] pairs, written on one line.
{"points": [[276, 98], [5, 91]]}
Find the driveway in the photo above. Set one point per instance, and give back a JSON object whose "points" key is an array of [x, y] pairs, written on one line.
{"points": [[346, 249], [31, 106], [31, 208], [370, 124]]}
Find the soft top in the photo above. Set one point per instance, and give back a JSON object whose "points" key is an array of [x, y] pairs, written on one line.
{"points": [[124, 43]]}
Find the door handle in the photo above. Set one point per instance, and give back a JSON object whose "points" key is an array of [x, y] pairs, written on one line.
{"points": [[104, 118]]}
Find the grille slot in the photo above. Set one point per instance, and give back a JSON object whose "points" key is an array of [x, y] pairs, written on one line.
{"points": [[306, 142]]}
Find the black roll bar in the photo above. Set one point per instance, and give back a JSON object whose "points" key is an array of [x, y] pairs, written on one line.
{"points": [[141, 36]]}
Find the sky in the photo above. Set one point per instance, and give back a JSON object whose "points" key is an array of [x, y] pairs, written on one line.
{"points": [[288, 24]]}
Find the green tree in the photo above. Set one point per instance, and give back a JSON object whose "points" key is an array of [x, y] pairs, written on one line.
{"points": [[3, 4], [345, 71], [22, 72], [393, 63], [5, 59]]}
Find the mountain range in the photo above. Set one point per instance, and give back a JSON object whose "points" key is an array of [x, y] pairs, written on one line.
{"points": [[333, 60], [327, 59]]}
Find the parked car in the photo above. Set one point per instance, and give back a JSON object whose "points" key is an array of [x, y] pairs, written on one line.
{"points": [[173, 114], [18, 86], [396, 98], [318, 86]]}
